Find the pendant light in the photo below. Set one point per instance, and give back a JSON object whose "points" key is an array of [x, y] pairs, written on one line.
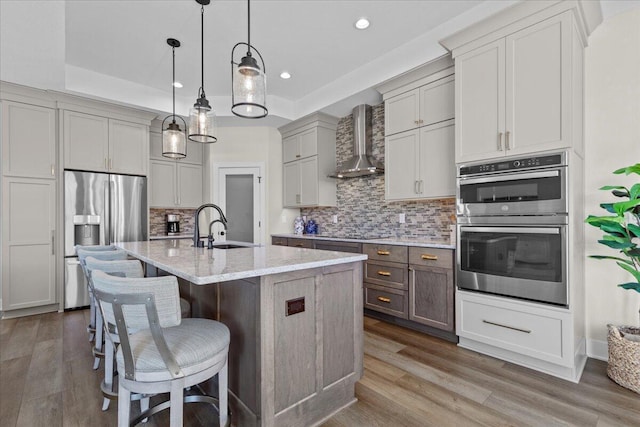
{"points": [[174, 139], [249, 81], [202, 118]]}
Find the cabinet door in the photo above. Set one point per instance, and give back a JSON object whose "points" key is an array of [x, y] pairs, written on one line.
{"points": [[401, 165], [290, 148], [128, 147], [163, 184], [431, 297], [437, 172], [291, 184], [189, 185], [479, 94], [309, 181], [28, 243], [402, 112], [28, 140], [437, 101], [538, 82], [155, 146], [86, 142], [308, 143]]}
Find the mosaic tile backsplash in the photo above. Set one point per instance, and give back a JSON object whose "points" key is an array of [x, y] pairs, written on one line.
{"points": [[158, 220], [361, 208]]}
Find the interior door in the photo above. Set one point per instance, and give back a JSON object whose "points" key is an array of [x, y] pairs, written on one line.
{"points": [[240, 198]]}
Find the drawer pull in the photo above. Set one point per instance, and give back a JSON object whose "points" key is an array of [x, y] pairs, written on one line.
{"points": [[526, 331], [298, 245], [429, 257], [384, 273], [384, 299], [384, 252]]}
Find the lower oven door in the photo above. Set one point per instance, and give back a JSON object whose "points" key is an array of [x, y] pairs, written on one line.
{"points": [[518, 261]]}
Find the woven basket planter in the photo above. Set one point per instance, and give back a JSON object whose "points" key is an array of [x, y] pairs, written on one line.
{"points": [[624, 357]]}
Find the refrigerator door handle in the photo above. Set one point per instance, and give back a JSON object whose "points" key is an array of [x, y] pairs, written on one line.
{"points": [[106, 223]]}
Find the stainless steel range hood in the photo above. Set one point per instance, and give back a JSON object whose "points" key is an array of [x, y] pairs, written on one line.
{"points": [[360, 164]]}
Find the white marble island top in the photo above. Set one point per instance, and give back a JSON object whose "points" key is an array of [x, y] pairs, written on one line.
{"points": [[202, 266]]}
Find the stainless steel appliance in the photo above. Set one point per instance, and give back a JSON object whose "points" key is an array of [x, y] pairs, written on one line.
{"points": [[173, 224], [518, 256], [99, 209], [512, 228], [516, 186]]}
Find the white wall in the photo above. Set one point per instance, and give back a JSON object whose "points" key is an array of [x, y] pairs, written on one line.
{"points": [[257, 144], [612, 137]]}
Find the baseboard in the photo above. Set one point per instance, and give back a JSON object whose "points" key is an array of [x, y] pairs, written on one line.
{"points": [[598, 350]]}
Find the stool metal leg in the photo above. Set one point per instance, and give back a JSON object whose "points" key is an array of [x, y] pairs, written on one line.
{"points": [[222, 395], [97, 349]]}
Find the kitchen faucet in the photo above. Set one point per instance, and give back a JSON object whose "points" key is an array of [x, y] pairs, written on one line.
{"points": [[210, 238], [196, 228]]}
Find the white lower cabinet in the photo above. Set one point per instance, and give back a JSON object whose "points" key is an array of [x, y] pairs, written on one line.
{"points": [[28, 243], [175, 184], [533, 335]]}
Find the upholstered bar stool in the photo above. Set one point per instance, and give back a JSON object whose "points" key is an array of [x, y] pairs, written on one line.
{"points": [[121, 268], [108, 255], [91, 329], [159, 352]]}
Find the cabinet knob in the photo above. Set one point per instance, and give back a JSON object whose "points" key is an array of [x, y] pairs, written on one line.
{"points": [[384, 273], [297, 156], [499, 141], [506, 141], [380, 252], [384, 299]]}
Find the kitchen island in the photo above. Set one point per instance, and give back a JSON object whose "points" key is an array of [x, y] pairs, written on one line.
{"points": [[295, 317]]}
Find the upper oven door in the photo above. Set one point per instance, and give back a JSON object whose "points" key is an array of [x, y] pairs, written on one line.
{"points": [[536, 192], [524, 261]]}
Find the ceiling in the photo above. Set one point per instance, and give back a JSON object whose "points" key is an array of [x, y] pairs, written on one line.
{"points": [[117, 49]]}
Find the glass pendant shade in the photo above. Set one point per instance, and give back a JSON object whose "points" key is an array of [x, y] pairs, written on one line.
{"points": [[249, 87], [202, 122], [174, 140]]}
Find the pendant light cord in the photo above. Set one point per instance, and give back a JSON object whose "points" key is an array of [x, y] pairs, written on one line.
{"points": [[173, 83], [201, 94], [249, 27]]}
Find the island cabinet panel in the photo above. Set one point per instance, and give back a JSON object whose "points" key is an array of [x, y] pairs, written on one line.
{"points": [[295, 335]]}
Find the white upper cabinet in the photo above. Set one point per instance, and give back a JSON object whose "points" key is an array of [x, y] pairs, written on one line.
{"points": [[29, 140], [300, 146], [102, 144], [402, 112], [175, 184], [513, 95]]}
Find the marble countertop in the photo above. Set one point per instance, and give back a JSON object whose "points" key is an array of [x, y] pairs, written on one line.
{"points": [[203, 266], [406, 241], [175, 236]]}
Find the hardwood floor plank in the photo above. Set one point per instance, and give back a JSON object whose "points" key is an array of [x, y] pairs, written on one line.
{"points": [[13, 373], [50, 327], [381, 343], [6, 328], [45, 375], [41, 411], [383, 369], [528, 416], [76, 343], [369, 321], [22, 339]]}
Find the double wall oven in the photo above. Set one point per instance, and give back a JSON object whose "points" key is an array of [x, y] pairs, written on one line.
{"points": [[512, 228]]}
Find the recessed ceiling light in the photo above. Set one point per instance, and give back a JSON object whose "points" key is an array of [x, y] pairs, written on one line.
{"points": [[362, 23], [177, 84], [285, 75]]}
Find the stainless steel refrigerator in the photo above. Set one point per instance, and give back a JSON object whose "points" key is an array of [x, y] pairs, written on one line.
{"points": [[99, 209]]}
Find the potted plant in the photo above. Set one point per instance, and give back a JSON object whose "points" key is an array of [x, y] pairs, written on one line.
{"points": [[621, 228]]}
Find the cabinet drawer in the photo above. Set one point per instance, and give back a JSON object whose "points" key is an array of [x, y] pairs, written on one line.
{"points": [[535, 333], [301, 243], [431, 257], [386, 300], [390, 274], [280, 241], [383, 252], [352, 247]]}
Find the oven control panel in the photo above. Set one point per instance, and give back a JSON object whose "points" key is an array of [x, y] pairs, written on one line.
{"points": [[513, 164]]}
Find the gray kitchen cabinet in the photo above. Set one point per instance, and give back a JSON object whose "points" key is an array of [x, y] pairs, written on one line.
{"points": [[309, 152], [431, 287], [337, 245], [300, 243], [29, 135], [174, 184], [102, 144], [385, 279], [279, 241], [195, 150], [516, 95], [420, 164]]}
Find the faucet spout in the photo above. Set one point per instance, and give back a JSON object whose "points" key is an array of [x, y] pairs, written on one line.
{"points": [[196, 225]]}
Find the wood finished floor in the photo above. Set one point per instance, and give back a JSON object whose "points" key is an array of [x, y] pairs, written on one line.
{"points": [[410, 379]]}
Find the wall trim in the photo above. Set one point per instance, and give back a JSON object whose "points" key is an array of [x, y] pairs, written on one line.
{"points": [[598, 349]]}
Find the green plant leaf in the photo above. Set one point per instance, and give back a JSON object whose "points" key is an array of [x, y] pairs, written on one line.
{"points": [[634, 192], [619, 193], [598, 221], [608, 207], [614, 244], [629, 170], [631, 286], [614, 229], [628, 206], [613, 187], [611, 257], [634, 229], [635, 273]]}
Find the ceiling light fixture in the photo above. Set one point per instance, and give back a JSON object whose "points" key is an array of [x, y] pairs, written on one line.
{"points": [[202, 118], [249, 81], [362, 23], [174, 139], [285, 75]]}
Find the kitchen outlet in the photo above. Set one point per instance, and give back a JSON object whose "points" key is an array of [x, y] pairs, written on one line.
{"points": [[334, 218], [401, 218]]}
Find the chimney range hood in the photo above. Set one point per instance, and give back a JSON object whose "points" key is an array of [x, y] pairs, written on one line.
{"points": [[360, 164]]}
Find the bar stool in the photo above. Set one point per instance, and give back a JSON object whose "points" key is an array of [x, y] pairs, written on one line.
{"points": [[91, 329], [159, 352], [126, 268], [107, 255]]}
